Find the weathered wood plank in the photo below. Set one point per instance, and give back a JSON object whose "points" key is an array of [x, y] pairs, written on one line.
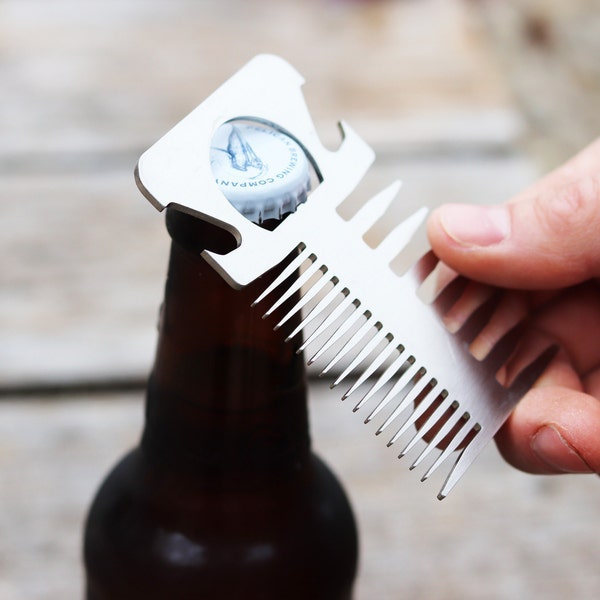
{"points": [[108, 75], [549, 52]]}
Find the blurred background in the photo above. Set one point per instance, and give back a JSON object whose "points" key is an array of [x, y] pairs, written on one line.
{"points": [[462, 100]]}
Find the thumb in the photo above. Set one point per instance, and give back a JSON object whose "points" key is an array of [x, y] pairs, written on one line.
{"points": [[546, 239], [553, 430]]}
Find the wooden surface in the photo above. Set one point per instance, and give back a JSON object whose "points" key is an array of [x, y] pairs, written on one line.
{"points": [[548, 51], [433, 86]]}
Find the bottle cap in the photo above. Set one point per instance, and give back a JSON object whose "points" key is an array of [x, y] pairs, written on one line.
{"points": [[260, 170]]}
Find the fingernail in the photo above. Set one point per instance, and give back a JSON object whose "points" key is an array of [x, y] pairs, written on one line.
{"points": [[475, 225], [552, 449]]}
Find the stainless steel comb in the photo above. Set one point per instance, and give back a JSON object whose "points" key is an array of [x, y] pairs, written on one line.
{"points": [[391, 342]]}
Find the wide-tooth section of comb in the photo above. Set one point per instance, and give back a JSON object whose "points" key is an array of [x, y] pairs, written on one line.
{"points": [[400, 237], [370, 212]]}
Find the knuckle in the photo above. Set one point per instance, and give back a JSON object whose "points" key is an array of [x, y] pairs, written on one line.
{"points": [[570, 209]]}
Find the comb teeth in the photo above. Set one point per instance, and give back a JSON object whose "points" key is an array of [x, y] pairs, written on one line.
{"points": [[368, 340]]}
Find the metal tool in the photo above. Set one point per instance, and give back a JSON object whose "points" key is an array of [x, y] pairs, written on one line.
{"points": [[395, 345]]}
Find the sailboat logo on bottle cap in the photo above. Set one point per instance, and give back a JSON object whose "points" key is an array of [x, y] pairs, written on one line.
{"points": [[261, 171]]}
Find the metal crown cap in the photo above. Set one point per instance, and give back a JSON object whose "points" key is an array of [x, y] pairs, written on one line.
{"points": [[261, 171]]}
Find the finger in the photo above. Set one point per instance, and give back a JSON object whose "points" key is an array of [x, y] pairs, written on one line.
{"points": [[553, 430], [591, 382], [572, 319], [547, 240]]}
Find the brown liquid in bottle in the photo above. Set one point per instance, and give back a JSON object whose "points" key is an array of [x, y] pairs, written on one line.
{"points": [[223, 498]]}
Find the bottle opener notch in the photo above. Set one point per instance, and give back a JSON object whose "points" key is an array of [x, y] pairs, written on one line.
{"points": [[395, 345]]}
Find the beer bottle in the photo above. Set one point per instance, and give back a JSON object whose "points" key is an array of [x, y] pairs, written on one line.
{"points": [[223, 497]]}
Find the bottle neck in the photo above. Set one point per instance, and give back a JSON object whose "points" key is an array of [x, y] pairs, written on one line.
{"points": [[227, 393]]}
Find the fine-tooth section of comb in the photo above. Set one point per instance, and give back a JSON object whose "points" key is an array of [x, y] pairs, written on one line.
{"points": [[323, 305], [365, 328], [421, 388], [400, 365], [353, 342], [289, 271], [377, 339], [362, 316], [460, 434], [297, 285], [342, 330], [402, 352], [371, 369], [407, 380], [430, 421], [516, 391], [339, 309], [347, 304], [306, 298], [445, 427], [413, 396]]}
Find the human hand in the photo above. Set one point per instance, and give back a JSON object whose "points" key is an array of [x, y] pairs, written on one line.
{"points": [[544, 246]]}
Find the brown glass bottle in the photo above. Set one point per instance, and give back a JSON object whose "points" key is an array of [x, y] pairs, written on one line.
{"points": [[223, 498]]}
